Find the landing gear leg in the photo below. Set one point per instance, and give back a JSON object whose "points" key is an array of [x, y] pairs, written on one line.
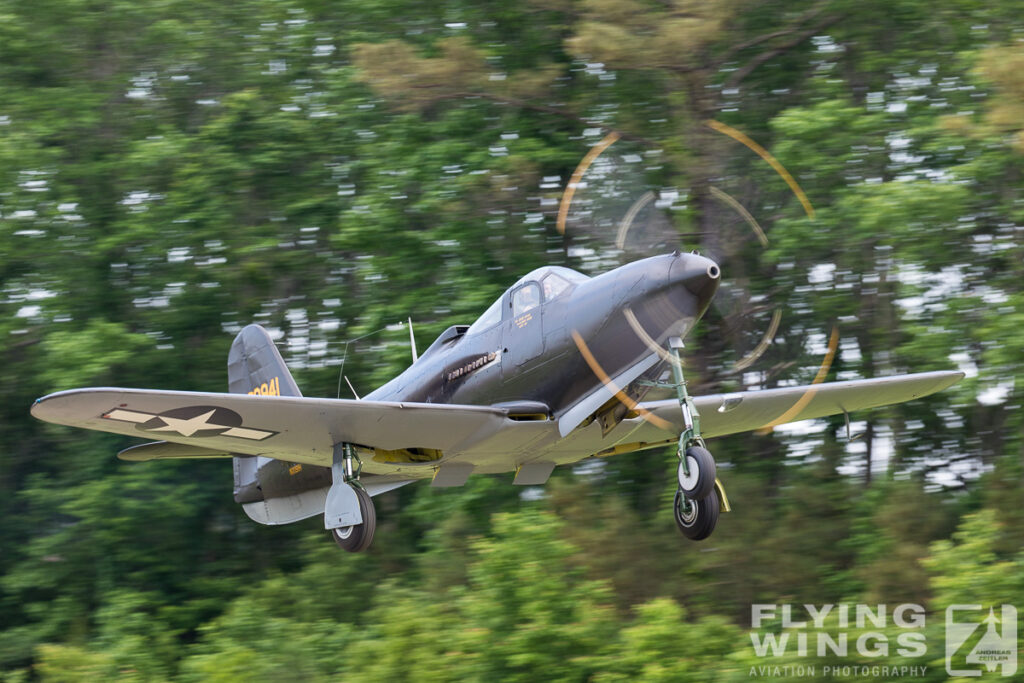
{"points": [[696, 505], [349, 513]]}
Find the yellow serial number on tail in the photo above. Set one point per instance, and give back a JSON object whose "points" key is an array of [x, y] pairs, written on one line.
{"points": [[271, 388]]}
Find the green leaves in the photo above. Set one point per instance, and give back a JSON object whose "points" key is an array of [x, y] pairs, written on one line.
{"points": [[172, 171], [92, 356]]}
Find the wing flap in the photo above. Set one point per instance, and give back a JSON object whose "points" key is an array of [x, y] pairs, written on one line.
{"points": [[289, 428], [722, 414]]}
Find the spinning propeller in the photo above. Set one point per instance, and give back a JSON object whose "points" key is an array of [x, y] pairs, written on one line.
{"points": [[609, 217]]}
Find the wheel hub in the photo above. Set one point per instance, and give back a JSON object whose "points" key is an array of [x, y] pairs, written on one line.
{"points": [[687, 511], [689, 475]]}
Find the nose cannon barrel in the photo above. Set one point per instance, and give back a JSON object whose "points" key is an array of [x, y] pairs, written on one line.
{"points": [[699, 275]]}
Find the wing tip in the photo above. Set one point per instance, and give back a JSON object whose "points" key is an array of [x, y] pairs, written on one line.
{"points": [[37, 405], [37, 409], [948, 378]]}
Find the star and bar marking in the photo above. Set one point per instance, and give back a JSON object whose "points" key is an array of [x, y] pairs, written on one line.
{"points": [[190, 421]]}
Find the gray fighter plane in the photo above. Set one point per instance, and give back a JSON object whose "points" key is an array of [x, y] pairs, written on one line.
{"points": [[555, 371]]}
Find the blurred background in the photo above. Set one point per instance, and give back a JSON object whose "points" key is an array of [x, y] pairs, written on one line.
{"points": [[172, 171]]}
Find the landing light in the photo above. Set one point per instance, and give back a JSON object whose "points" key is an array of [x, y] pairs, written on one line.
{"points": [[730, 402]]}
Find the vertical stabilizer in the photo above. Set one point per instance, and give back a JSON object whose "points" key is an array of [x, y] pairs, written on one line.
{"points": [[255, 367]]}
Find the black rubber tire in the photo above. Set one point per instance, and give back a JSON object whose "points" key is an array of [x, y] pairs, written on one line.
{"points": [[699, 520], [357, 538], [701, 463]]}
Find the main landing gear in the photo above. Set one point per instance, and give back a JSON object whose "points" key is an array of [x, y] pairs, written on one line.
{"points": [[356, 538], [348, 512], [698, 499]]}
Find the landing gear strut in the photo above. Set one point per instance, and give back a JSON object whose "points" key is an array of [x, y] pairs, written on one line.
{"points": [[348, 512], [696, 505]]}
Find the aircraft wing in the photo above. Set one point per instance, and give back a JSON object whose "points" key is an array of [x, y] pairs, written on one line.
{"points": [[722, 414], [296, 429]]}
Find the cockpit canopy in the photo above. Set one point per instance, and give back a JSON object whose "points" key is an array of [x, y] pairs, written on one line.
{"points": [[553, 281]]}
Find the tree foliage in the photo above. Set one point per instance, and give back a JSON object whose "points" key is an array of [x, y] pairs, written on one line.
{"points": [[171, 172]]}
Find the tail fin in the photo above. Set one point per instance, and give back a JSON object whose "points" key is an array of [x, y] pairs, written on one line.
{"points": [[256, 367]]}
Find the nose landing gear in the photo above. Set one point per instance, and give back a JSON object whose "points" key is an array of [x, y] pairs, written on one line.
{"points": [[696, 472], [696, 519], [697, 501]]}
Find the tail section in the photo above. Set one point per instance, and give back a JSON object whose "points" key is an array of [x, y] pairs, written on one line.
{"points": [[255, 366], [269, 490]]}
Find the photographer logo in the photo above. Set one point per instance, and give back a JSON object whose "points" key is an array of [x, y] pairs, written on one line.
{"points": [[980, 641]]}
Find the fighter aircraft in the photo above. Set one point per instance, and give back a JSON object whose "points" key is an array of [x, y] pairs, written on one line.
{"points": [[555, 371]]}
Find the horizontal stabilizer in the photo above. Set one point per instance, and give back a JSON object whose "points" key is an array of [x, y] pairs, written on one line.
{"points": [[165, 450], [288, 509]]}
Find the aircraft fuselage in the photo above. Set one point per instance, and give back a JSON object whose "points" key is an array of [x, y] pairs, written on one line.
{"points": [[529, 357]]}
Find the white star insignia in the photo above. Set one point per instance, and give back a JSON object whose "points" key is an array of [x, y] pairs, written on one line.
{"points": [[188, 427]]}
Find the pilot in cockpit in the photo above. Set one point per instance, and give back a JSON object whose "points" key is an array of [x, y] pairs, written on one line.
{"points": [[529, 298]]}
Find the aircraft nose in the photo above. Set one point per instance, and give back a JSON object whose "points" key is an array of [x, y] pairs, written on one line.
{"points": [[699, 275]]}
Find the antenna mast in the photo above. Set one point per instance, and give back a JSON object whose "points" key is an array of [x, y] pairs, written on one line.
{"points": [[412, 342]]}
